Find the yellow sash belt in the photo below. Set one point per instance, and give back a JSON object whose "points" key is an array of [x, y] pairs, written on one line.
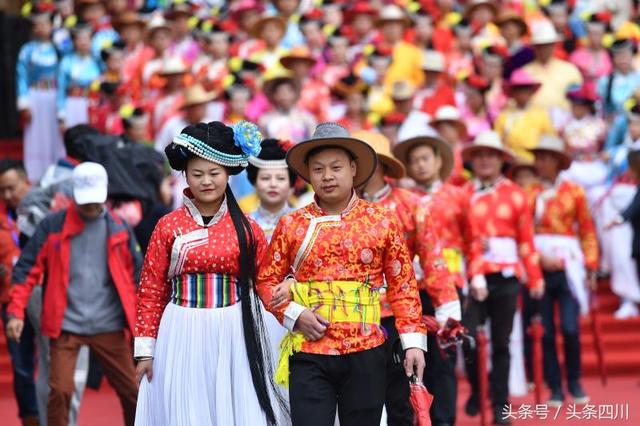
{"points": [[336, 301], [453, 257]]}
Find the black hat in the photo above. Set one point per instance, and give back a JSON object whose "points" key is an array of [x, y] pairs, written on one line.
{"points": [[230, 147], [272, 156]]}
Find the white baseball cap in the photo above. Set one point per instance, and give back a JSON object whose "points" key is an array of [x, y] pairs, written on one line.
{"points": [[90, 183]]}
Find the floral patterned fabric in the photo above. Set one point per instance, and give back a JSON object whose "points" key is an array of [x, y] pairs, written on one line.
{"points": [[565, 211], [363, 244], [422, 239], [502, 212], [447, 205]]}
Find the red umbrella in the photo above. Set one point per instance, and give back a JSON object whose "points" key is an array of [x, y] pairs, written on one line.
{"points": [[421, 401], [536, 331], [483, 379], [597, 338]]}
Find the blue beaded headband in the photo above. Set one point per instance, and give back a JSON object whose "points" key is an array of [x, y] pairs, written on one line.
{"points": [[245, 135]]}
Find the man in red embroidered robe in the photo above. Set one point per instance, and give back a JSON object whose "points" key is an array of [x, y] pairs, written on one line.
{"points": [[338, 252]]}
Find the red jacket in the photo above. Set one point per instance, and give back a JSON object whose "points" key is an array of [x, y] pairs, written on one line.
{"points": [[48, 254]]}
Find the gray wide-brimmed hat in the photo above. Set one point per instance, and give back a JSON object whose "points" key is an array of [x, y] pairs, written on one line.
{"points": [[334, 135]]}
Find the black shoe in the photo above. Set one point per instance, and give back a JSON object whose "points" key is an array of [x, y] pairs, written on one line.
{"points": [[578, 394], [472, 407], [556, 399], [500, 417]]}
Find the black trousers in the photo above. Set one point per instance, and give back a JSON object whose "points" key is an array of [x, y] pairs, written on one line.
{"points": [[557, 291], [399, 411], [500, 307], [440, 374], [355, 382]]}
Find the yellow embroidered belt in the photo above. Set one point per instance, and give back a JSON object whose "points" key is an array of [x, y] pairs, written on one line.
{"points": [[337, 302], [453, 257]]}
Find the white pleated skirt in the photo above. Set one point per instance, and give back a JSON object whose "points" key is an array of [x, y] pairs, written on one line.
{"points": [[43, 144], [201, 374]]}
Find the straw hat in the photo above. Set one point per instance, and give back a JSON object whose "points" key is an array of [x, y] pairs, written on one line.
{"points": [[382, 147], [487, 140], [265, 18], [553, 145], [475, 4], [510, 15], [449, 114], [157, 22], [196, 95], [179, 8], [273, 78], [334, 135], [392, 13], [432, 60], [425, 135], [298, 53], [402, 91], [348, 85], [173, 66], [128, 18], [544, 32]]}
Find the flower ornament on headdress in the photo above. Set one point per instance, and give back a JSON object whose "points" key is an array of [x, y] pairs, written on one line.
{"points": [[247, 137]]}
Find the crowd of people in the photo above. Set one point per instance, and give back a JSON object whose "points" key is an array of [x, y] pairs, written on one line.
{"points": [[475, 161]]}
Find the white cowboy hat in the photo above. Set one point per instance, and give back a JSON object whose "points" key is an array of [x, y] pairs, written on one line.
{"points": [[487, 140], [544, 32]]}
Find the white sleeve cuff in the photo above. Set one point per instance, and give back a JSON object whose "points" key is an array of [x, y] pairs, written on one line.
{"points": [[413, 340], [291, 315], [23, 103], [144, 346], [448, 310], [479, 281]]}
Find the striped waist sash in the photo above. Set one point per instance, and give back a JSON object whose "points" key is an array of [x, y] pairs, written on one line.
{"points": [[206, 291]]}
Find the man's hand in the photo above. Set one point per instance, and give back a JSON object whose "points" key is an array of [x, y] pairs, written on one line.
{"points": [[144, 367], [281, 294], [311, 324], [615, 222], [537, 292], [414, 362], [478, 287], [14, 329], [551, 264]]}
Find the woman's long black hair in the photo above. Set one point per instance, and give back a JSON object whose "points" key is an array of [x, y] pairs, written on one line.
{"points": [[258, 348], [220, 137]]}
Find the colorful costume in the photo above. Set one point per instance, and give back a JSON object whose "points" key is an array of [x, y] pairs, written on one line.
{"points": [[188, 287], [341, 263], [502, 249], [448, 207], [36, 70], [564, 229], [75, 76]]}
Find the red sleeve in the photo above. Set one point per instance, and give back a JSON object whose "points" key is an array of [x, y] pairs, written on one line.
{"points": [[402, 288], [274, 267], [439, 283], [154, 291], [526, 247]]}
